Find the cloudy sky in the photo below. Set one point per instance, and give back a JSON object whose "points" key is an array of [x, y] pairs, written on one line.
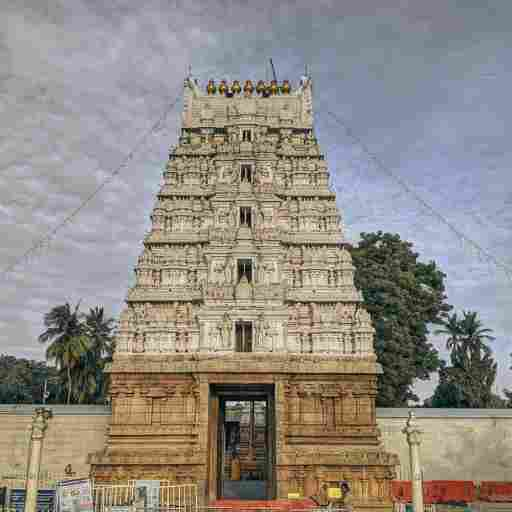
{"points": [[425, 86]]}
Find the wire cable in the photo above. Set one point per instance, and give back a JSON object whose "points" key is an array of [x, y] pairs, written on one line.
{"points": [[382, 167], [46, 238]]}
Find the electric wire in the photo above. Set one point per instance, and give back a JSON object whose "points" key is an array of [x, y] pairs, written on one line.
{"points": [[46, 238], [382, 167]]}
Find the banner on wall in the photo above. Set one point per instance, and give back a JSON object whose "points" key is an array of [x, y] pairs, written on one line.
{"points": [[75, 496], [45, 500]]}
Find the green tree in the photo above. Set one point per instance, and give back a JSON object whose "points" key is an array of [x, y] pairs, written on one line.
{"points": [[404, 296], [68, 341], [508, 395], [469, 380], [92, 382], [23, 380]]}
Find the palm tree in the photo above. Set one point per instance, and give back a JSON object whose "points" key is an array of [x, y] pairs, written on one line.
{"points": [[68, 340], [470, 356], [100, 330], [466, 337], [92, 382], [67, 355]]}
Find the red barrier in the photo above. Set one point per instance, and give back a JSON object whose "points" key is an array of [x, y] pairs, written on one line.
{"points": [[496, 491], [435, 491], [401, 491], [447, 491], [282, 505]]}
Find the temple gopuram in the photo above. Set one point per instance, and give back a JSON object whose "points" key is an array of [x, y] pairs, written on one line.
{"points": [[244, 360]]}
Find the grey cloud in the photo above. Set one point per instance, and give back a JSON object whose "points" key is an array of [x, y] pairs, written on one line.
{"points": [[424, 84]]}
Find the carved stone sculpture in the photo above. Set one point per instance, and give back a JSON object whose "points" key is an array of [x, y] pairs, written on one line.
{"points": [[282, 292]]}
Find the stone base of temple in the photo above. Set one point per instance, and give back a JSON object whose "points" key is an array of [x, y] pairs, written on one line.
{"points": [[295, 424]]}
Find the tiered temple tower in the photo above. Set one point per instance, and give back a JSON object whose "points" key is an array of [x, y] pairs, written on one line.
{"points": [[245, 289]]}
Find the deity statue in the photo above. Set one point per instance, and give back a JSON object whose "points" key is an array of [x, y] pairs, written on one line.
{"points": [[229, 271], [267, 336], [226, 330], [218, 272], [269, 271], [139, 342], [222, 217], [265, 175], [261, 216], [259, 329], [214, 335], [233, 215], [236, 87], [285, 88], [248, 88], [211, 88], [260, 86]]}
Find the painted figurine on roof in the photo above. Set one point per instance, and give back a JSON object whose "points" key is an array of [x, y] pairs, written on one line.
{"points": [[223, 87], [285, 88], [248, 88], [236, 87], [211, 88], [260, 87]]}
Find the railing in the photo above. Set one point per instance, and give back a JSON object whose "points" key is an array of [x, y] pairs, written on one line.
{"points": [[401, 507], [182, 498], [107, 496]]}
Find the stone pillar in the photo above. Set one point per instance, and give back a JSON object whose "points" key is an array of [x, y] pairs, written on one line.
{"points": [[39, 426], [413, 433]]}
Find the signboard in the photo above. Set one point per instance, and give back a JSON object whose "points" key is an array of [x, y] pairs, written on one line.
{"points": [[45, 500], [3, 497], [334, 493], [75, 496], [151, 488], [294, 495]]}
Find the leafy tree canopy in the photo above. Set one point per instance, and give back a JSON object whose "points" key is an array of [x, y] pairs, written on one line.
{"points": [[22, 380], [469, 380], [80, 344], [404, 296]]}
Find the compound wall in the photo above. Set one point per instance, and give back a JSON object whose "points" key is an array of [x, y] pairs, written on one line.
{"points": [[458, 444]]}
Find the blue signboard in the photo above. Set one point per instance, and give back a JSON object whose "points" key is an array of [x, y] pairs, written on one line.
{"points": [[45, 500], [3, 496]]}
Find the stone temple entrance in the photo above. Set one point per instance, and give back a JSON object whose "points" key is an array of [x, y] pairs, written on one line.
{"points": [[244, 306], [245, 441]]}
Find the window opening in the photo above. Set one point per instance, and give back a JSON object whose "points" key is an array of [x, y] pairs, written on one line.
{"points": [[246, 173], [246, 135], [245, 216], [245, 269], [243, 335]]}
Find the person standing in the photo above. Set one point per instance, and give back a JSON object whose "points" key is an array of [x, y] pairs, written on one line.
{"points": [[346, 496]]}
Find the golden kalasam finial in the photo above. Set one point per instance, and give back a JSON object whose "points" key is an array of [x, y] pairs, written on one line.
{"points": [[285, 88], [274, 88], [248, 88], [260, 87], [211, 88], [236, 87], [223, 87]]}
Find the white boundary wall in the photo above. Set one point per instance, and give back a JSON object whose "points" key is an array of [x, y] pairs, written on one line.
{"points": [[458, 444]]}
